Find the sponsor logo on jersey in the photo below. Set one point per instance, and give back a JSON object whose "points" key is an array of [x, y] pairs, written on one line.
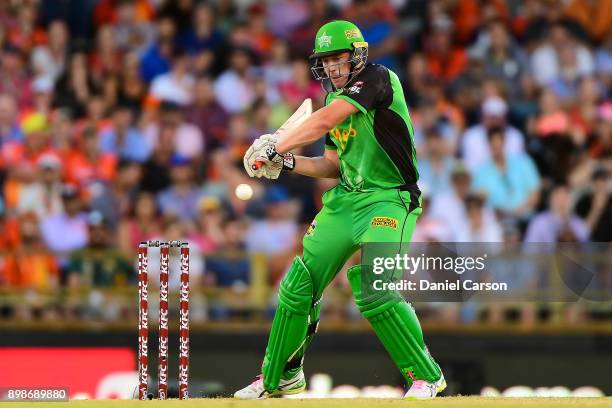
{"points": [[353, 33], [324, 40], [356, 88], [343, 135], [387, 222], [311, 228]]}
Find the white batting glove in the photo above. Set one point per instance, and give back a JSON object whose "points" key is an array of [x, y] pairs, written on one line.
{"points": [[255, 152], [276, 162]]}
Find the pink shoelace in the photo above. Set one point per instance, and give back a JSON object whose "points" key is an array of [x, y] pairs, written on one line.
{"points": [[419, 384], [257, 381]]}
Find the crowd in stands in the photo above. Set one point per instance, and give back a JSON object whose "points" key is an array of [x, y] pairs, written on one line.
{"points": [[127, 120]]}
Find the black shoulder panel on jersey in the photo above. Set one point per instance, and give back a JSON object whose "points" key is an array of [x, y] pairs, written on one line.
{"points": [[394, 137], [371, 88]]}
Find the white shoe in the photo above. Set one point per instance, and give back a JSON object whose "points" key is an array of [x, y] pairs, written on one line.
{"points": [[256, 389], [423, 390]]}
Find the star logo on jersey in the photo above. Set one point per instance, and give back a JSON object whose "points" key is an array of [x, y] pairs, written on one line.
{"points": [[324, 40]]}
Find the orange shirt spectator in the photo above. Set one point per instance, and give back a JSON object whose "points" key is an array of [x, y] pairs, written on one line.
{"points": [[86, 163], [28, 264], [106, 11], [445, 62], [447, 67], [30, 269], [594, 15], [470, 14]]}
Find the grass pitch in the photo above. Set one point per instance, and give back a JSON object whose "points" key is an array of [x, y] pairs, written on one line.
{"points": [[447, 402]]}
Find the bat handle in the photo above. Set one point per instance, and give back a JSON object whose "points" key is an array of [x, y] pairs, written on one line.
{"points": [[257, 165]]}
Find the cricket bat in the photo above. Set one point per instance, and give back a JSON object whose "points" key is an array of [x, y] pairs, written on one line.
{"points": [[299, 116]]}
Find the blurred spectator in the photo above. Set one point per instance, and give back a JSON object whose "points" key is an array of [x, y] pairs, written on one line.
{"points": [[558, 224], [417, 79], [9, 128], [106, 59], [321, 11], [43, 197], [260, 120], [278, 69], [603, 60], [510, 182], [140, 224], [110, 11], [445, 62], [583, 113], [594, 15], [436, 164], [230, 266], [175, 86], [208, 231], [131, 87], [156, 170], [15, 80], [478, 227], [560, 57], [541, 16], [36, 143], [99, 264], [595, 207], [130, 26], [123, 138], [75, 86], [285, 15], [277, 234], [48, 61], [30, 265], [202, 35], [552, 118], [156, 59], [187, 138], [207, 114], [430, 228], [470, 14], [374, 21], [300, 86], [474, 146], [66, 231], [114, 200], [182, 197], [239, 136], [260, 38], [234, 88], [86, 164], [503, 59], [450, 207]]}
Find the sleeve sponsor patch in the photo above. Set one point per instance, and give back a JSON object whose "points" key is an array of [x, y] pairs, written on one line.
{"points": [[387, 222]]}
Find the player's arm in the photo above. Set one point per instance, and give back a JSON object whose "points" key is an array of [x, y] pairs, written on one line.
{"points": [[318, 124], [326, 166]]}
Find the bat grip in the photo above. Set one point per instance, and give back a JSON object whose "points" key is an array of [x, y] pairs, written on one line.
{"points": [[257, 165]]}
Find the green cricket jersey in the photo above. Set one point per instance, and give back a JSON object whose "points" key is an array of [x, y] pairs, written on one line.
{"points": [[375, 145]]}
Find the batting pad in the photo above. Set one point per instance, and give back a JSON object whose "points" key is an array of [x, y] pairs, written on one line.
{"points": [[397, 327], [291, 321]]}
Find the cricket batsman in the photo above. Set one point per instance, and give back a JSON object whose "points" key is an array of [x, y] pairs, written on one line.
{"points": [[369, 146]]}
